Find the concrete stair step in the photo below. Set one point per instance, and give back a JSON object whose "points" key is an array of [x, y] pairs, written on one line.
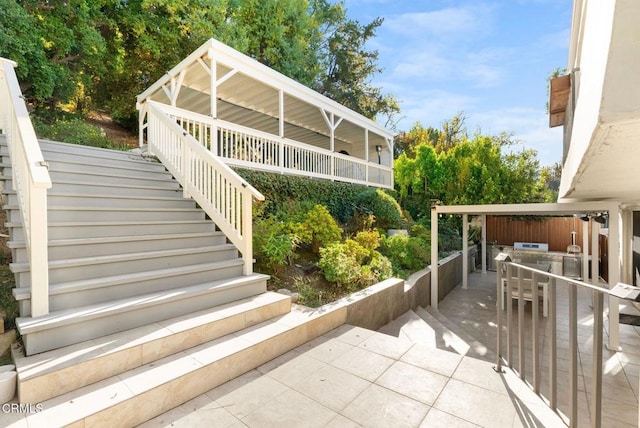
{"points": [[56, 151], [90, 175], [73, 294], [65, 327], [97, 187], [445, 337], [87, 247], [72, 230], [100, 266], [132, 189], [411, 327], [85, 214], [150, 390], [456, 336], [53, 373], [62, 199]]}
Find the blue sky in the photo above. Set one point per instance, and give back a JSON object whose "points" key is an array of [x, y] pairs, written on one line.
{"points": [[488, 59]]}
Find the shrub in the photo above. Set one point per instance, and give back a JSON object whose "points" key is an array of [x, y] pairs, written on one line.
{"points": [[75, 131], [319, 228], [407, 254], [356, 262], [382, 206], [339, 265], [282, 191], [279, 250]]}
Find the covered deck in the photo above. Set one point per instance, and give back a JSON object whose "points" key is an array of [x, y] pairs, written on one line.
{"points": [[254, 117]]}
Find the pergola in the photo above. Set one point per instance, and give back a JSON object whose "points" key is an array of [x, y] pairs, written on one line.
{"points": [[619, 258]]}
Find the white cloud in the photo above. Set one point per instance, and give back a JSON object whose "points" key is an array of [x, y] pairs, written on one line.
{"points": [[445, 24], [529, 126]]}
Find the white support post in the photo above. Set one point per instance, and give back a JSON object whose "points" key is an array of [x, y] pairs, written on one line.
{"points": [[281, 130], [213, 107], [366, 154], [434, 257], [38, 252], [465, 250], [247, 233], [626, 233], [213, 101], [613, 248], [332, 146], [484, 243], [585, 250], [595, 252]]}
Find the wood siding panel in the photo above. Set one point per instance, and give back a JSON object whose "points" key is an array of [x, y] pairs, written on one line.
{"points": [[555, 231]]}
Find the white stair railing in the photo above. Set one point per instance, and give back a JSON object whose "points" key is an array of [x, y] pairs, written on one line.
{"points": [[225, 196], [30, 180]]}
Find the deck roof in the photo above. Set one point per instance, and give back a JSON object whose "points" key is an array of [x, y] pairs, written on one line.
{"points": [[248, 93]]}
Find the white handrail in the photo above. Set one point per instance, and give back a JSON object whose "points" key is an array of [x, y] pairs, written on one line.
{"points": [[251, 148], [30, 180], [225, 196]]}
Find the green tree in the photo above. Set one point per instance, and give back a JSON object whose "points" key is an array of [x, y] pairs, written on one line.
{"points": [[348, 66], [58, 46]]}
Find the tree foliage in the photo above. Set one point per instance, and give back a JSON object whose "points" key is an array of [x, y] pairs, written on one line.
{"points": [[102, 53], [458, 170]]}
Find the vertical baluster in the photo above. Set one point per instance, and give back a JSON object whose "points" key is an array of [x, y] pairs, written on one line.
{"points": [[509, 303], [553, 346], [596, 387], [534, 331], [521, 336], [499, 310], [573, 354]]}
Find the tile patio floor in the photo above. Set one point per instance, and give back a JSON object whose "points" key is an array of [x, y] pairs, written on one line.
{"points": [[356, 377]]}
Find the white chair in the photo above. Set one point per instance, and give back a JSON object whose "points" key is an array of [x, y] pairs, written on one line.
{"points": [[543, 287]]}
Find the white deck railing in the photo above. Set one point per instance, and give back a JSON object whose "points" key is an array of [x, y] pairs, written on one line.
{"points": [[250, 148], [225, 196], [30, 179], [517, 285]]}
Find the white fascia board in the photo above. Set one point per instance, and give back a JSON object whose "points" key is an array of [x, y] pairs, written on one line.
{"points": [[542, 209]]}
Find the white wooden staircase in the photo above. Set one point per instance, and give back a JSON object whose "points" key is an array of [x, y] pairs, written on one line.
{"points": [[125, 249]]}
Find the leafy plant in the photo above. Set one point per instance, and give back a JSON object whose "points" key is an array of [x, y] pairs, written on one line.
{"points": [[383, 207], [339, 265], [279, 250], [407, 254], [75, 131], [319, 228]]}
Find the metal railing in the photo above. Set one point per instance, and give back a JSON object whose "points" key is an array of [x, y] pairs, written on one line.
{"points": [[515, 273], [225, 196], [250, 148], [30, 179]]}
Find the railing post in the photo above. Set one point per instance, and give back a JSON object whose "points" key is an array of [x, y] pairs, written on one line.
{"points": [[186, 171], [247, 232], [509, 303], [499, 310], [534, 332], [521, 338], [573, 354], [596, 388], [38, 258], [553, 350]]}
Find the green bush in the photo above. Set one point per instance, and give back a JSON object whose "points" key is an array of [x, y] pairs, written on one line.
{"points": [[339, 265], [407, 254], [283, 191], [319, 228], [279, 250], [383, 207], [355, 263], [75, 131]]}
